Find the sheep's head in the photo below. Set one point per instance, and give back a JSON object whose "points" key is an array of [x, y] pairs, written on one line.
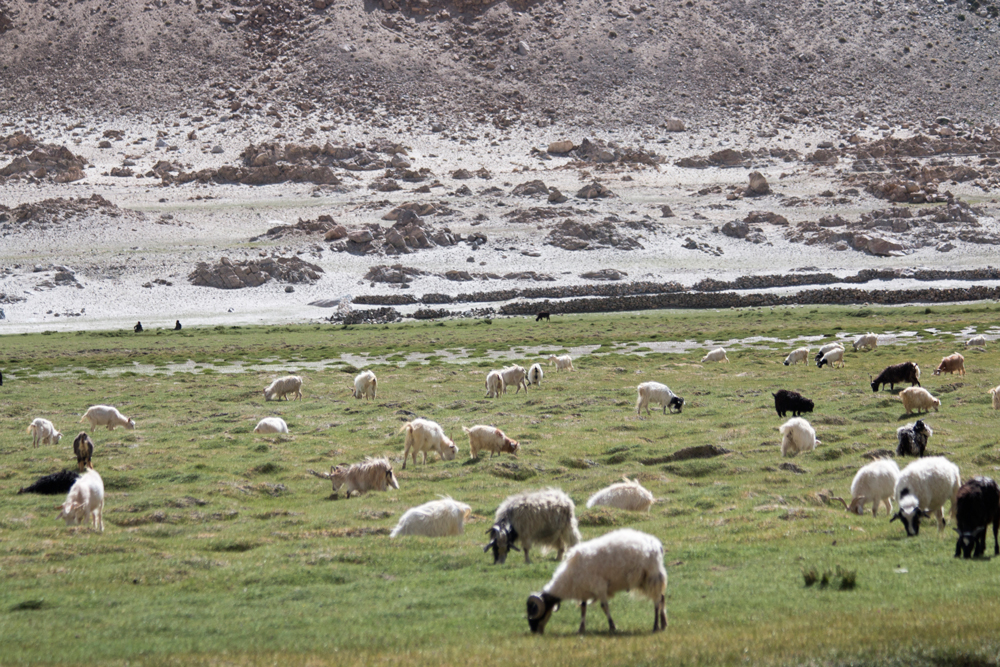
{"points": [[819, 362], [874, 384], [390, 479], [540, 608], [510, 447], [910, 513], [449, 450], [969, 539], [130, 425], [502, 537], [71, 511], [857, 505]]}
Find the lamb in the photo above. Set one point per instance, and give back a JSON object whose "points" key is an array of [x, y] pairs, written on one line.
{"points": [[953, 363], [918, 398], [626, 495], [896, 374], [912, 439], [833, 357], [369, 475], [801, 354], [718, 354], [423, 435], [271, 425], [655, 392], [106, 415], [922, 489], [545, 517], [438, 518], [995, 393], [365, 385], [494, 384], [515, 375], [874, 483], [622, 560], [785, 401], [491, 439], [52, 485], [978, 503], [290, 384], [977, 341], [43, 431], [83, 447], [85, 501], [797, 435], [563, 363], [826, 348], [535, 374], [868, 341]]}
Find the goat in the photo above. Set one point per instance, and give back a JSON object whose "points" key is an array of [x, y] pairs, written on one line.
{"points": [[896, 374], [923, 488], [826, 348], [514, 375], [545, 517], [85, 501], [801, 354], [369, 475], [953, 363], [912, 439], [868, 341], [491, 439], [52, 485], [978, 341], [563, 362], [535, 374], [832, 358], [627, 494], [494, 384], [106, 415], [437, 518], [542, 316], [874, 483], [793, 401], [271, 425], [718, 354], [918, 398], [423, 435], [365, 385], [995, 394], [655, 392], [290, 384], [978, 503], [83, 447], [43, 431], [797, 435]]}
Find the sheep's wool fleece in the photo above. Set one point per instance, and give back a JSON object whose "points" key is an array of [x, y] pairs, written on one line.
{"points": [[628, 495], [622, 560]]}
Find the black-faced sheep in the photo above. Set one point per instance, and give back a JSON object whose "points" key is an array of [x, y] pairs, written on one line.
{"points": [[791, 401], [655, 392], [896, 374], [922, 489], [545, 518], [912, 439], [978, 503], [832, 358]]}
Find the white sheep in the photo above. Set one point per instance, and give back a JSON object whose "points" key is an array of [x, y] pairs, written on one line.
{"points": [[833, 357], [797, 435], [494, 384], [718, 354], [369, 475], [515, 376], [546, 518], [628, 494], [655, 392], [918, 398], [978, 341], [535, 374], [995, 393], [290, 384], [622, 560], [271, 425], [85, 501], [423, 435], [106, 415], [874, 483], [868, 341], [43, 431], [923, 488], [826, 348], [437, 518], [801, 354], [490, 439], [563, 362], [365, 385]]}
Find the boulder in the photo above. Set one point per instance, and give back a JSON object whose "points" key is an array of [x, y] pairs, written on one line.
{"points": [[758, 185], [560, 147]]}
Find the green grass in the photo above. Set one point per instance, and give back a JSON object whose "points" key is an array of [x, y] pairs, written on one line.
{"points": [[220, 549]]}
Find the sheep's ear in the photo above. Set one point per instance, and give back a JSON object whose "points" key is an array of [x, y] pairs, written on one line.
{"points": [[897, 515]]}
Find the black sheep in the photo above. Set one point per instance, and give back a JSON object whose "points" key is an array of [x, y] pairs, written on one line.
{"points": [[52, 485], [897, 374], [542, 316], [912, 439], [785, 401], [978, 503]]}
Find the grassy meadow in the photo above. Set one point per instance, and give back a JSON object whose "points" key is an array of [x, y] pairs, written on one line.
{"points": [[220, 549]]}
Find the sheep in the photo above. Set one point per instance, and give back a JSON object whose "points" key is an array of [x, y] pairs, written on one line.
{"points": [[826, 348], [563, 363], [369, 475], [365, 385], [797, 435], [535, 374], [626, 495], [85, 501], [978, 505], [491, 439], [995, 393], [868, 341], [437, 518], [953, 363], [718, 354], [514, 375], [923, 488], [785, 401], [896, 374], [874, 483], [494, 384], [83, 447], [622, 560], [43, 431], [271, 425], [290, 384], [801, 354], [106, 415], [52, 485], [545, 517], [423, 435], [834, 356], [918, 398], [978, 341], [656, 392], [912, 439]]}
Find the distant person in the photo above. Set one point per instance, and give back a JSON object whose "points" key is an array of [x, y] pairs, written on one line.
{"points": [[138, 327], [177, 325]]}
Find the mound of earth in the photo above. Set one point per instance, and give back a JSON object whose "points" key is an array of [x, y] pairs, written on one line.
{"points": [[573, 235], [45, 161], [227, 274], [322, 225], [409, 233], [52, 213]]}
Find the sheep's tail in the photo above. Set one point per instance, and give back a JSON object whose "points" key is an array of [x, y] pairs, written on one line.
{"points": [[467, 430], [918, 370], [83, 419], [31, 428]]}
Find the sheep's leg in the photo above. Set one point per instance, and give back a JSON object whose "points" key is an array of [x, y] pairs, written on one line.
{"points": [[607, 612], [939, 513], [875, 504], [527, 560], [583, 616], [406, 453], [996, 544], [663, 612]]}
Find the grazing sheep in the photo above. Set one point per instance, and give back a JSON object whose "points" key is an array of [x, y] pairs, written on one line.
{"points": [[106, 415], [52, 485], [995, 393], [545, 517], [535, 374], [978, 503], [438, 518], [797, 435], [918, 398], [874, 483], [365, 385], [923, 488], [718, 354], [626, 495], [491, 439], [369, 475], [801, 354], [978, 341], [423, 435], [785, 401], [622, 560], [833, 357], [494, 384], [290, 384], [43, 431], [271, 425], [83, 447], [85, 501], [896, 374], [655, 392], [953, 363], [563, 363], [868, 341], [543, 316], [826, 348], [514, 375], [912, 439]]}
